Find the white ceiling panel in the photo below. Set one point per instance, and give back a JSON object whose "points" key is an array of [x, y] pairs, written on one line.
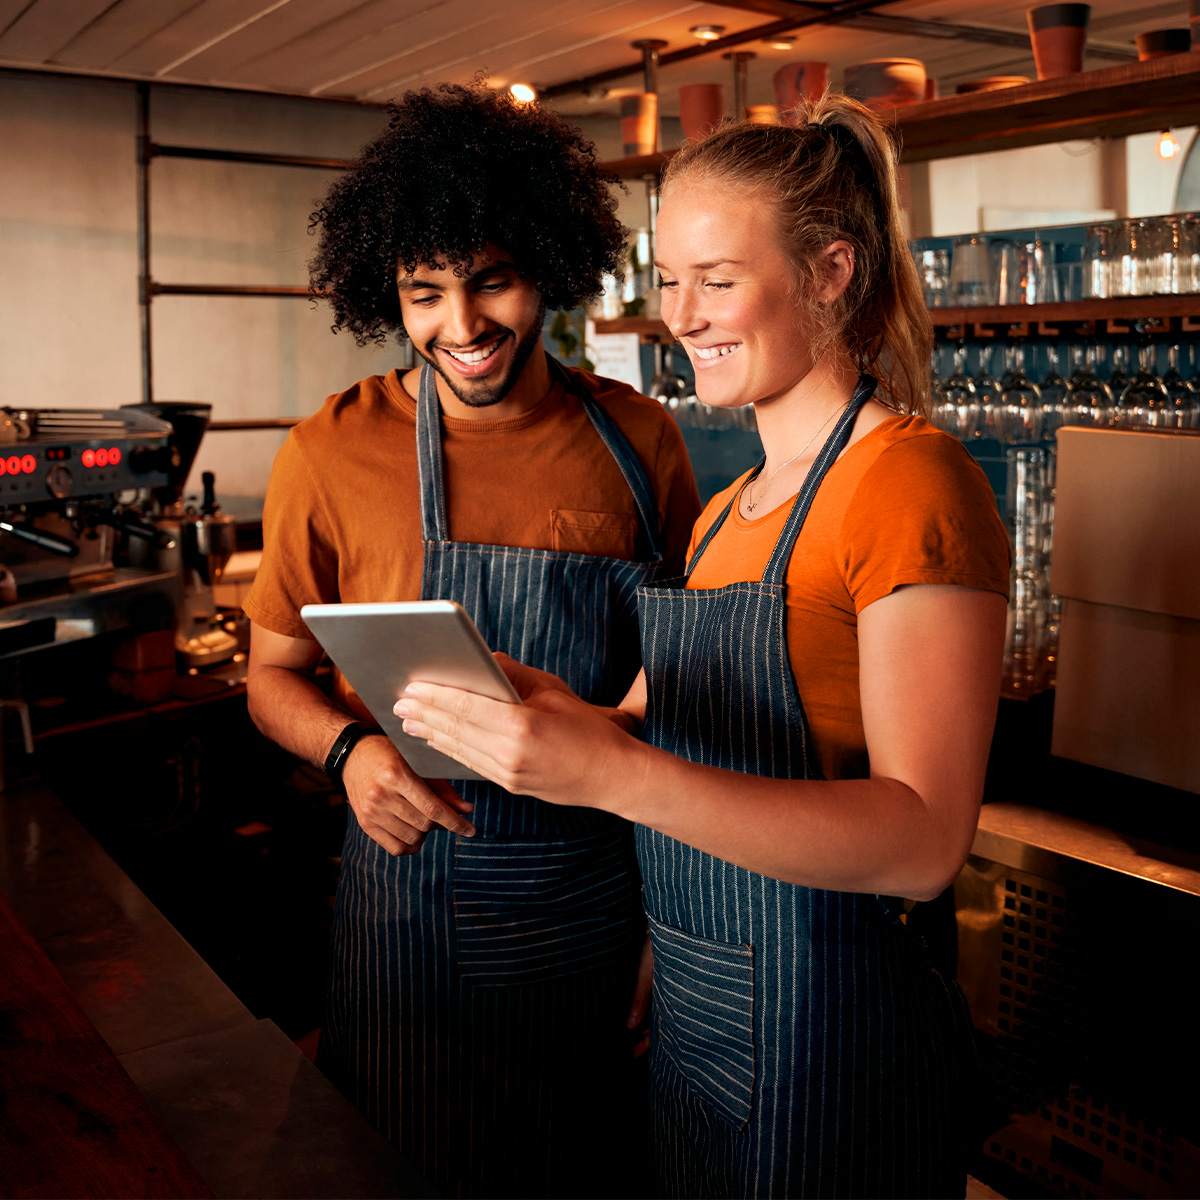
{"points": [[45, 26], [372, 49]]}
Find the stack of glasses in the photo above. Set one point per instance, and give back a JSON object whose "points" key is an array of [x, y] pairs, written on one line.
{"points": [[1031, 640]]}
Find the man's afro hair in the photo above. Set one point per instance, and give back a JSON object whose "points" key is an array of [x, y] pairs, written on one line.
{"points": [[459, 168]]}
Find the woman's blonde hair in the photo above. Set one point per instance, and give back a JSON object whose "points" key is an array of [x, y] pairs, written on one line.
{"points": [[832, 177]]}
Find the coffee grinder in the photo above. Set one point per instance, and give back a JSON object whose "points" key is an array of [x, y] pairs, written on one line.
{"points": [[203, 540]]}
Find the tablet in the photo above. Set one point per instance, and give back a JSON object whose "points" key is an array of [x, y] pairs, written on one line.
{"points": [[381, 648]]}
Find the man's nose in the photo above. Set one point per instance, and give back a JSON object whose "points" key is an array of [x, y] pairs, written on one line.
{"points": [[464, 320]]}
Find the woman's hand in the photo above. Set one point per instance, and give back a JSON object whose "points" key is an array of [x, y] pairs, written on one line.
{"points": [[553, 746], [639, 1008]]}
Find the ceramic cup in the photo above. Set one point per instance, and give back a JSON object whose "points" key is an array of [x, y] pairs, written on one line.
{"points": [[1058, 33], [796, 82], [701, 109], [762, 114], [1158, 43], [639, 124], [883, 83]]}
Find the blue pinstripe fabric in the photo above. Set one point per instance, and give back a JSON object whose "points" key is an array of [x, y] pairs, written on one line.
{"points": [[479, 987], [802, 1046]]}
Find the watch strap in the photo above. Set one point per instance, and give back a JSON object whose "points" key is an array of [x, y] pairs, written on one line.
{"points": [[335, 760]]}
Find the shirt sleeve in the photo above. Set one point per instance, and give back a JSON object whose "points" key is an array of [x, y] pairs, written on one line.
{"points": [[299, 561], [923, 513]]}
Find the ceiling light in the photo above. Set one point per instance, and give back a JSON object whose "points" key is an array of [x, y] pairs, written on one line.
{"points": [[1168, 145], [522, 93], [781, 43], [707, 33]]}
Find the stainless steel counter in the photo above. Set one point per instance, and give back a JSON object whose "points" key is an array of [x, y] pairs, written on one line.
{"points": [[1030, 839]]}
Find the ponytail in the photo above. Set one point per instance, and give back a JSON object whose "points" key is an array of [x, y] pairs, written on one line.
{"points": [[833, 177]]}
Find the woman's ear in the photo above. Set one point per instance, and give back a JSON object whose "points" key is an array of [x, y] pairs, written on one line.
{"points": [[837, 263]]}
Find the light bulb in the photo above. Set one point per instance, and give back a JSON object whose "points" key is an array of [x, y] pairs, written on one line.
{"points": [[1168, 145], [707, 33], [522, 93]]}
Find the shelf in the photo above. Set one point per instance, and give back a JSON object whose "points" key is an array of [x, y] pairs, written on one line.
{"points": [[648, 328], [1166, 311], [1140, 97]]}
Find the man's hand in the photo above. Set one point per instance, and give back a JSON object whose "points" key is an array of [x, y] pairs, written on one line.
{"points": [[395, 807], [639, 1009]]}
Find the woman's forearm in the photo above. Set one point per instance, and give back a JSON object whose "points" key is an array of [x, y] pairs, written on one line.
{"points": [[857, 835]]}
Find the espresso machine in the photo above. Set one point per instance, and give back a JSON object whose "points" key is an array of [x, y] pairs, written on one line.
{"points": [[74, 485]]}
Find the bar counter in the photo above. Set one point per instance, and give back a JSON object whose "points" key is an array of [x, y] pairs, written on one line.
{"points": [[245, 1108]]}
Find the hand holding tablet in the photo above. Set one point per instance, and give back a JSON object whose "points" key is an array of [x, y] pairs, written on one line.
{"points": [[381, 648]]}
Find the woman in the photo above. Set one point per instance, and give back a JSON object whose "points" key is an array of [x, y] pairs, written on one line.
{"points": [[817, 698]]}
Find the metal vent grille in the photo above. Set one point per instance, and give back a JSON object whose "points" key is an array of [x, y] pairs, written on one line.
{"points": [[1069, 1045]]}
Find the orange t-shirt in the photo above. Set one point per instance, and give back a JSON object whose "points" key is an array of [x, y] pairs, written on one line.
{"points": [[905, 504], [342, 518]]}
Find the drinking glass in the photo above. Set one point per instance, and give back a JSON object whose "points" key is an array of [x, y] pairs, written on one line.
{"points": [[933, 266], [970, 273], [1188, 253], [956, 406], [987, 391], [1020, 415], [1099, 257], [1144, 400], [1054, 392], [1183, 397], [1118, 376], [667, 386], [1089, 401], [1025, 509]]}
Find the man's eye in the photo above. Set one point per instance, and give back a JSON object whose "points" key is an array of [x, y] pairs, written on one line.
{"points": [[667, 283]]}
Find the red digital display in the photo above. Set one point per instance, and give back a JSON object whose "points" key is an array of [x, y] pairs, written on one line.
{"points": [[13, 464], [88, 458], [28, 464]]}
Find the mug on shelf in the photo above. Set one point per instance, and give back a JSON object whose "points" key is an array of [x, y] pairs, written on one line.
{"points": [[971, 282]]}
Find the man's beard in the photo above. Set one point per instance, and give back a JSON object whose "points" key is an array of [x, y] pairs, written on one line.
{"points": [[483, 394]]}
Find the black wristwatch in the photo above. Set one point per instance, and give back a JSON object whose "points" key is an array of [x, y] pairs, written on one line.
{"points": [[335, 760]]}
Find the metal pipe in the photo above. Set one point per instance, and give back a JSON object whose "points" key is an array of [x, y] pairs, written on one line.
{"points": [[739, 58], [144, 287], [158, 150], [228, 289], [649, 48]]}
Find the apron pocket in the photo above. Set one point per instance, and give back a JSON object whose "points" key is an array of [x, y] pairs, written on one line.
{"points": [[525, 912], [704, 1007]]}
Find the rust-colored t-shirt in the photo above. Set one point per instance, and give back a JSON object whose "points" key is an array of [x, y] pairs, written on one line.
{"points": [[342, 519], [906, 504]]}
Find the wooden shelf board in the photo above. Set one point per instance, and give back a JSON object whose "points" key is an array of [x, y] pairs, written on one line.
{"points": [[643, 326], [1132, 98], [1137, 97], [1127, 308]]}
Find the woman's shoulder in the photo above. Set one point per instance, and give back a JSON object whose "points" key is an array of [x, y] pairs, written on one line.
{"points": [[907, 452]]}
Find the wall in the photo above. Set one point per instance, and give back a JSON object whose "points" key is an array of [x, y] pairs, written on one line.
{"points": [[69, 331], [1057, 184]]}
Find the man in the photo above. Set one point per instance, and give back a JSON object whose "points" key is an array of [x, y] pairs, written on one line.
{"points": [[485, 945]]}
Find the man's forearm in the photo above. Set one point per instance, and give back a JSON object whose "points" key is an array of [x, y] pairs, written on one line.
{"points": [[290, 709]]}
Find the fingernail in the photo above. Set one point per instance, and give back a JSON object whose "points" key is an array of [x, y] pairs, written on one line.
{"points": [[401, 709]]}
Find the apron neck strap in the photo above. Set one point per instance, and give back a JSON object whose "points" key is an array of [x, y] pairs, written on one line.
{"points": [[434, 527], [776, 570], [431, 474], [836, 442]]}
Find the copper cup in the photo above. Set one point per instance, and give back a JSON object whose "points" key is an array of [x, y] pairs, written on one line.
{"points": [[639, 124], [1058, 33]]}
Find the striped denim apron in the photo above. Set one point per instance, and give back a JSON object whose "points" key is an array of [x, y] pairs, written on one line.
{"points": [[480, 986], [802, 1045]]}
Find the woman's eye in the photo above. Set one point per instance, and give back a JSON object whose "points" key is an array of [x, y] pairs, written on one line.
{"points": [[720, 287], [667, 283]]}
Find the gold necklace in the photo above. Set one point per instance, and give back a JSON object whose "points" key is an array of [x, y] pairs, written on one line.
{"points": [[751, 505]]}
